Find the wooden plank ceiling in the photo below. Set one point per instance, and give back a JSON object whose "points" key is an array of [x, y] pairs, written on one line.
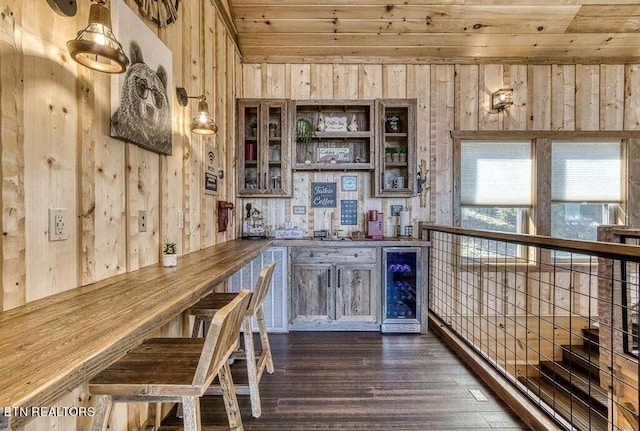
{"points": [[447, 31]]}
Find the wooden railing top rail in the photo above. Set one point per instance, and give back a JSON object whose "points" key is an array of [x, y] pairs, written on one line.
{"points": [[630, 232], [51, 346], [594, 248]]}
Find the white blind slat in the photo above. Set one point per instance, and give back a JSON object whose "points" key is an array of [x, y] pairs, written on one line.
{"points": [[496, 173], [586, 171]]}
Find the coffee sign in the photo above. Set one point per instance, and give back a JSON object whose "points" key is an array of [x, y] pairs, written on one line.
{"points": [[323, 195]]}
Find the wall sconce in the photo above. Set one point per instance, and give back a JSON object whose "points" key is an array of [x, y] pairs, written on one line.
{"points": [[502, 99], [202, 123], [64, 7], [96, 47]]}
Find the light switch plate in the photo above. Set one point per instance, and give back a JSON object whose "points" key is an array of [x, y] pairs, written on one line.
{"points": [[142, 221]]}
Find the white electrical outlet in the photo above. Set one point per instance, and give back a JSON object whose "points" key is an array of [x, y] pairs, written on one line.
{"points": [[57, 224], [180, 219], [142, 221]]}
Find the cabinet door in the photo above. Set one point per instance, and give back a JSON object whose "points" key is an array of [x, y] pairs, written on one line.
{"points": [[396, 153], [276, 157], [248, 146], [356, 298], [312, 295], [264, 150]]}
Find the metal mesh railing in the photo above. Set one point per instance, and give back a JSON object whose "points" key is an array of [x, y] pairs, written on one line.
{"points": [[549, 314], [630, 294]]}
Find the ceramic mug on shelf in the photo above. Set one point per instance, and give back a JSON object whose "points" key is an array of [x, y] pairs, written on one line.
{"points": [[398, 183]]}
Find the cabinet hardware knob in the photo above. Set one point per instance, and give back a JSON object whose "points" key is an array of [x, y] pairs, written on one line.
{"points": [[355, 255], [311, 255]]}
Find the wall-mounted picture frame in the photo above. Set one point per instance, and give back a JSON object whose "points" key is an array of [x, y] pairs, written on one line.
{"points": [[299, 209], [210, 168], [141, 110], [323, 195], [349, 212], [395, 210], [349, 183]]}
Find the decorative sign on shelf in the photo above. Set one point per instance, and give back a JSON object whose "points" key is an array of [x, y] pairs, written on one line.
{"points": [[323, 195], [349, 212], [392, 124], [335, 124], [333, 155]]}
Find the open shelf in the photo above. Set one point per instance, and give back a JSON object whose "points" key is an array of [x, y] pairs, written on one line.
{"points": [[344, 132]]}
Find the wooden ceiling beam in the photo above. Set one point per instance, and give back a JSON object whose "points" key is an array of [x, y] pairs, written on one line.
{"points": [[439, 40]]}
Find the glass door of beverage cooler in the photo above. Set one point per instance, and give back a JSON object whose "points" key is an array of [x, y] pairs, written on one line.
{"points": [[401, 293]]}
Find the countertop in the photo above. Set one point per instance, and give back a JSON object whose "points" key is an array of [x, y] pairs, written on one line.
{"points": [[386, 242], [50, 346]]}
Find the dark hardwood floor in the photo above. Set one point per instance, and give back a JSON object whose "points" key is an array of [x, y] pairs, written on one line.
{"points": [[365, 381]]}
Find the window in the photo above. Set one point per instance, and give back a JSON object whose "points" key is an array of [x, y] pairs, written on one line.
{"points": [[586, 187], [496, 190]]}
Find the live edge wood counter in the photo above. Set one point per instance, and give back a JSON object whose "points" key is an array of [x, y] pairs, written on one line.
{"points": [[51, 346]]}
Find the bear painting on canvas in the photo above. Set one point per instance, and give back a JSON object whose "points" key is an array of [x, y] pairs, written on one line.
{"points": [[144, 115]]}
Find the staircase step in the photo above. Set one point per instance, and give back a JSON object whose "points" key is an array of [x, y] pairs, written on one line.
{"points": [[591, 339], [584, 358], [570, 408], [577, 383]]}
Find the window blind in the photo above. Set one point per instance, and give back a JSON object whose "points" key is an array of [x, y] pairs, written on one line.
{"points": [[496, 173], [586, 171]]}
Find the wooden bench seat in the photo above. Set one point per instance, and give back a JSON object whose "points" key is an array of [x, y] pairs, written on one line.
{"points": [[176, 370]]}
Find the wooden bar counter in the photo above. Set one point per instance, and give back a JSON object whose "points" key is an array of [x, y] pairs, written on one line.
{"points": [[51, 346]]}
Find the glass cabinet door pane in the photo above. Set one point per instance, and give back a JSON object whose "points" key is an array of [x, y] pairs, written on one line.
{"points": [[274, 151]]}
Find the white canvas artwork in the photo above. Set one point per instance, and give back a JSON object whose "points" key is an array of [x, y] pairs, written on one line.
{"points": [[140, 101]]}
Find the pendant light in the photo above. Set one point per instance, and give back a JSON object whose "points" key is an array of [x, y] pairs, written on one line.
{"points": [[202, 123], [96, 47]]}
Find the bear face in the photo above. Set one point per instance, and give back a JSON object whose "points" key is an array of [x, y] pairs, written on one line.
{"points": [[144, 115]]}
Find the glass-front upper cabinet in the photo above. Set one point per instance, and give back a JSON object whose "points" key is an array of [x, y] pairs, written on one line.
{"points": [[264, 150], [396, 168]]}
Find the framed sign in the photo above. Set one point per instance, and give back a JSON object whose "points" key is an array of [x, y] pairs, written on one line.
{"points": [[349, 212], [395, 210], [349, 183], [335, 124], [299, 209], [323, 195], [210, 170], [333, 155]]}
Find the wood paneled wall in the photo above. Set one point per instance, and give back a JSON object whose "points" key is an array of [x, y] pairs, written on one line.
{"points": [[57, 153], [450, 97]]}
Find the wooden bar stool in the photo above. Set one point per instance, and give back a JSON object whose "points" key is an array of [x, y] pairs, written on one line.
{"points": [[175, 370], [208, 307]]}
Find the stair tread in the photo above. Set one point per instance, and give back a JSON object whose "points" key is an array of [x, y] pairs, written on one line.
{"points": [[575, 377], [583, 353], [593, 332], [569, 407]]}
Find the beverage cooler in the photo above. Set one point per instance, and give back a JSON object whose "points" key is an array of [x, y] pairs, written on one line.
{"points": [[401, 297]]}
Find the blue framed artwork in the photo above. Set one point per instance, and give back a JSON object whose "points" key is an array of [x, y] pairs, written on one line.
{"points": [[349, 212], [349, 183]]}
